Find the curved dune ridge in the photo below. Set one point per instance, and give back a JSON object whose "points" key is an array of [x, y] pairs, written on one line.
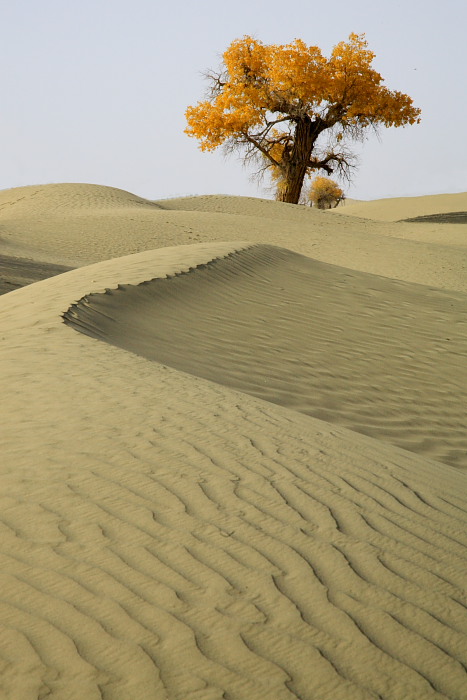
{"points": [[382, 357], [167, 537]]}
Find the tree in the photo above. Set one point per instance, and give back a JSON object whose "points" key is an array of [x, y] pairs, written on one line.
{"points": [[279, 102], [325, 193]]}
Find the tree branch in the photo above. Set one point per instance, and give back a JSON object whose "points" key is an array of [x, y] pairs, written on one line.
{"points": [[343, 162], [257, 144]]}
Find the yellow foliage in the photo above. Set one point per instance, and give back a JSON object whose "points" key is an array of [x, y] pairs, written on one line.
{"points": [[325, 193], [293, 80]]}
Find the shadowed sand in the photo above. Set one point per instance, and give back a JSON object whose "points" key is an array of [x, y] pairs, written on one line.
{"points": [[453, 217], [18, 272], [166, 536]]}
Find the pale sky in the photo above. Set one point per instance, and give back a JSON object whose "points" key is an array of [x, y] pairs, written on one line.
{"points": [[95, 90]]}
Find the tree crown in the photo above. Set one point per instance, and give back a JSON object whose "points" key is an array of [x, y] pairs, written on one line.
{"points": [[273, 84]]}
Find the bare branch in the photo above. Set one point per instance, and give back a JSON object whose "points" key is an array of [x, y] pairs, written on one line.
{"points": [[261, 149]]}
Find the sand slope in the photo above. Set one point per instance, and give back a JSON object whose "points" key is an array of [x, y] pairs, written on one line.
{"points": [[163, 536], [383, 357]]}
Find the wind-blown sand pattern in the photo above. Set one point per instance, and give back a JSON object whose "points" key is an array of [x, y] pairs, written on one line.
{"points": [[166, 536]]}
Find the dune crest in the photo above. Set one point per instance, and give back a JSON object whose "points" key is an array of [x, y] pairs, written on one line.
{"points": [[61, 196]]}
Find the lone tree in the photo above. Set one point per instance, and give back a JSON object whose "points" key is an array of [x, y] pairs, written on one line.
{"points": [[325, 193], [277, 102]]}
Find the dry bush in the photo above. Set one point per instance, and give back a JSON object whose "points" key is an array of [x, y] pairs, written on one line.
{"points": [[324, 193]]}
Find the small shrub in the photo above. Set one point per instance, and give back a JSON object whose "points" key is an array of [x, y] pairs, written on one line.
{"points": [[325, 193]]}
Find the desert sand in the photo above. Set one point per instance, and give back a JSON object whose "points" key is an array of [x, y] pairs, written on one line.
{"points": [[233, 449]]}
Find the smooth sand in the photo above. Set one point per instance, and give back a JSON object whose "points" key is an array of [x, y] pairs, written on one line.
{"points": [[164, 534]]}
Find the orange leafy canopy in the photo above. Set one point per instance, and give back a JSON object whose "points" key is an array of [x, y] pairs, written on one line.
{"points": [[262, 84], [324, 190]]}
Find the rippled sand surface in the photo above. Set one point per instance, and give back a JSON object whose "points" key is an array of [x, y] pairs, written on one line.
{"points": [[204, 491]]}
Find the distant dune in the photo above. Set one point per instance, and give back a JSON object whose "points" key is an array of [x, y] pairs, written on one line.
{"points": [[204, 491], [400, 208], [74, 225]]}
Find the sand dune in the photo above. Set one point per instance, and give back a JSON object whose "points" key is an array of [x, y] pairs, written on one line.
{"points": [[400, 208], [165, 536], [75, 225], [383, 357]]}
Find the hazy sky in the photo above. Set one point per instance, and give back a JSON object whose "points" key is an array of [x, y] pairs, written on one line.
{"points": [[95, 90]]}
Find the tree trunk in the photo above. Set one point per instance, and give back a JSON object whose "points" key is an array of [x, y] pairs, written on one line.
{"points": [[295, 162]]}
